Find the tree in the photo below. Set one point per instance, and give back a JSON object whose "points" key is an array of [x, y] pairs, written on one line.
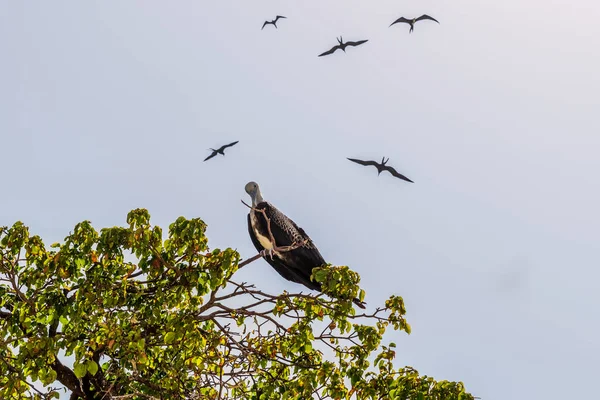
{"points": [[124, 314]]}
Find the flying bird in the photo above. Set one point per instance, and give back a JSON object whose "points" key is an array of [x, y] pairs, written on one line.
{"points": [[342, 45], [411, 22], [273, 22], [295, 265], [381, 167], [220, 150]]}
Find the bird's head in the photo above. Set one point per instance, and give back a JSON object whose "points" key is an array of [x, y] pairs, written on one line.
{"points": [[254, 191]]}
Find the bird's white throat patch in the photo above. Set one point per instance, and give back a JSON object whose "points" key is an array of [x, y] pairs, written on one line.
{"points": [[264, 241]]}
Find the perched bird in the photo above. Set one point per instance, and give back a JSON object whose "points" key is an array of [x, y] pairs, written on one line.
{"points": [[342, 45], [411, 22], [273, 22], [295, 265], [381, 167], [220, 150]]}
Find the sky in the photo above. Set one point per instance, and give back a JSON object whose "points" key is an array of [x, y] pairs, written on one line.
{"points": [[107, 106]]}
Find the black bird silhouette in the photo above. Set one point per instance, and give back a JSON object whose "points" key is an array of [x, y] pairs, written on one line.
{"points": [[220, 150], [381, 167], [342, 45], [273, 22], [411, 22]]}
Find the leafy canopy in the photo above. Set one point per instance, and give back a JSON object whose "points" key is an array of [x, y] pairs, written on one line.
{"points": [[124, 314]]}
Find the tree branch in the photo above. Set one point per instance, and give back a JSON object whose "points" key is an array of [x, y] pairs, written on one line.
{"points": [[67, 378]]}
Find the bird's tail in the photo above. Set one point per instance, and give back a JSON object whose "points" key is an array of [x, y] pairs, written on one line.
{"points": [[360, 304]]}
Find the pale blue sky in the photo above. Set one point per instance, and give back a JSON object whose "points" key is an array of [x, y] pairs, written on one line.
{"points": [[106, 106]]}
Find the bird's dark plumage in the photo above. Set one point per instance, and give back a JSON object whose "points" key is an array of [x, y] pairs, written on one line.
{"points": [[220, 150], [341, 45], [381, 167], [273, 22], [295, 265], [411, 22]]}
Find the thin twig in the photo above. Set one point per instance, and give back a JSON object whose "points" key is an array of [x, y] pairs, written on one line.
{"points": [[281, 249], [248, 261]]}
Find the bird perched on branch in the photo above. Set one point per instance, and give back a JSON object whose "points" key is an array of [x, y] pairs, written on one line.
{"points": [[342, 45], [381, 167], [220, 150], [266, 224], [411, 22], [273, 22]]}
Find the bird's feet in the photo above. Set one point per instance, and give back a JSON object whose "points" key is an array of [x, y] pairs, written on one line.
{"points": [[267, 252]]}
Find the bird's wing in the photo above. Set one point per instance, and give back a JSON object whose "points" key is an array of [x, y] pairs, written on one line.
{"points": [[263, 27], [361, 162], [211, 156], [358, 43], [395, 173], [401, 19], [279, 16], [333, 49], [425, 16], [229, 145], [285, 232]]}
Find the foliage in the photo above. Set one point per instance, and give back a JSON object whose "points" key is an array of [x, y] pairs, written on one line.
{"points": [[172, 324]]}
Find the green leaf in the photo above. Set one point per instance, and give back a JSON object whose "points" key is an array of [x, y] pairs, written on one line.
{"points": [[169, 337], [92, 367], [80, 370], [361, 295], [320, 275]]}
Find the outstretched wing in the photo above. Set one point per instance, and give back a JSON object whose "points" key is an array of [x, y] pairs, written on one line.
{"points": [[401, 19], [266, 22], [395, 173], [425, 16], [356, 43], [361, 162], [333, 49], [214, 153], [229, 145], [277, 17]]}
